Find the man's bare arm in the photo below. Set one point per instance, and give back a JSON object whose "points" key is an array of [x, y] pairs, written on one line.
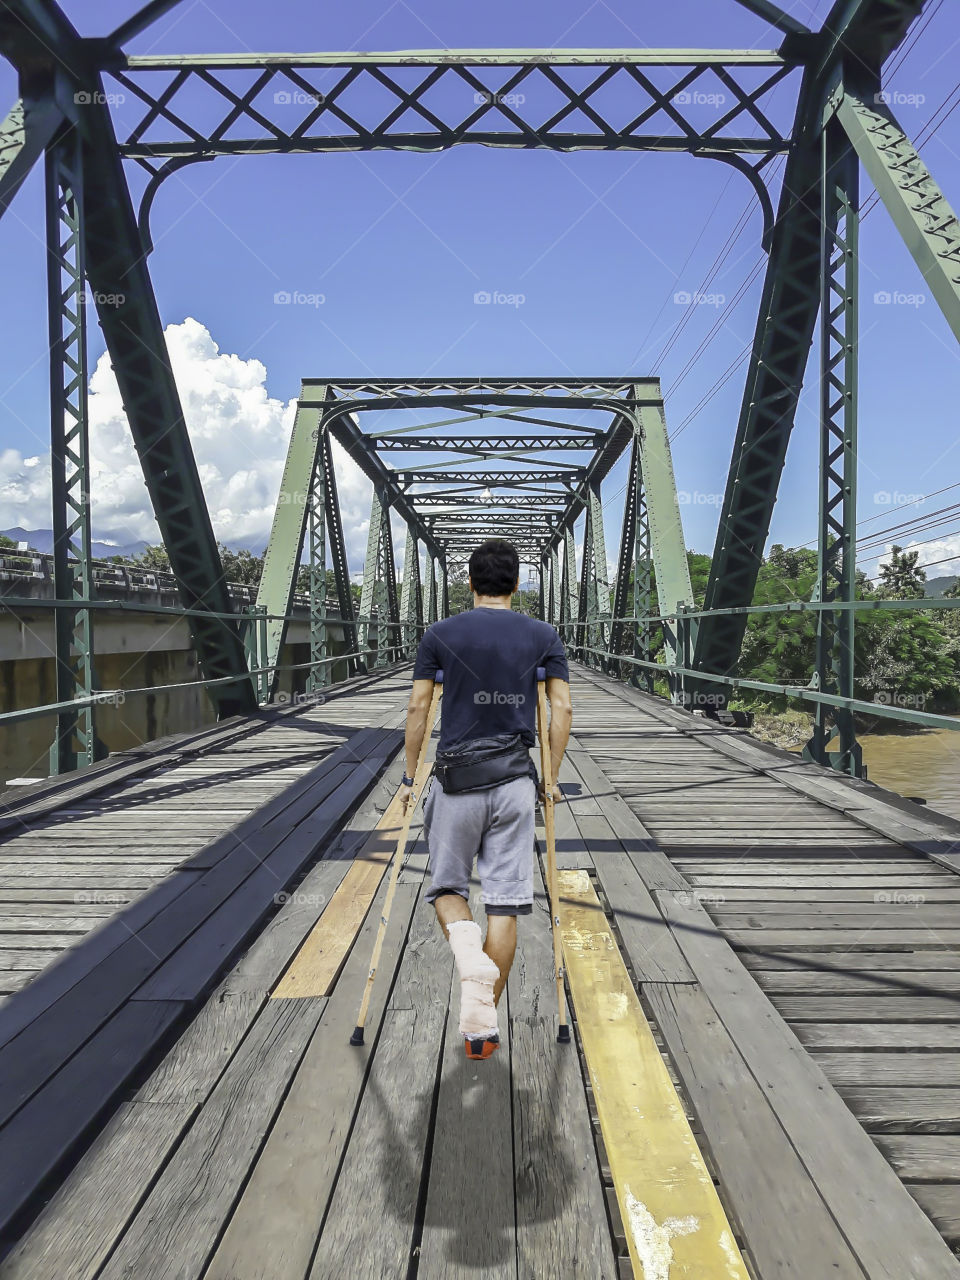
{"points": [[561, 718], [417, 709]]}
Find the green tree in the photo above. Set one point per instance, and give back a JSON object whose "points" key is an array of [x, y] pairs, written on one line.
{"points": [[901, 578]]}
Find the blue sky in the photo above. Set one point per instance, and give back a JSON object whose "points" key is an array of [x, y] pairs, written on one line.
{"points": [[597, 244]]}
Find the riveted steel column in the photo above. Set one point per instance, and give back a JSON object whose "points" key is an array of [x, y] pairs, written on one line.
{"points": [[594, 613], [75, 743], [430, 591], [320, 673], [444, 590], [411, 605], [338, 554], [378, 593], [553, 595], [667, 545], [281, 560], [836, 573], [569, 600], [634, 577]]}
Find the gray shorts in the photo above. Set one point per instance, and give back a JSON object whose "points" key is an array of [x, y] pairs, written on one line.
{"points": [[496, 828]]}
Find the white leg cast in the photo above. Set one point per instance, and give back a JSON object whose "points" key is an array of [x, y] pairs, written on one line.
{"points": [[478, 973]]}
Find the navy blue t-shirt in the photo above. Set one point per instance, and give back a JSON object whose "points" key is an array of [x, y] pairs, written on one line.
{"points": [[489, 659]]}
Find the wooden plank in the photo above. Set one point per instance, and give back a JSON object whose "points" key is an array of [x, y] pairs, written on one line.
{"points": [[673, 1218], [470, 1162], [647, 940], [561, 1220], [865, 937], [176, 1229], [780, 983], [858, 961], [916, 1109], [195, 964], [903, 1067], [923, 1157], [315, 968], [942, 1203], [878, 1035], [257, 869], [787, 1228], [882, 1009], [31, 1147], [296, 1169], [889, 1234], [384, 1162]]}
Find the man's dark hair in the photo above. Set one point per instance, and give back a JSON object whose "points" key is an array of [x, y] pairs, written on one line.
{"points": [[495, 568]]}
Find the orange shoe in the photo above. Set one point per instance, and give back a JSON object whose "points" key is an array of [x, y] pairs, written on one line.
{"points": [[479, 1048]]}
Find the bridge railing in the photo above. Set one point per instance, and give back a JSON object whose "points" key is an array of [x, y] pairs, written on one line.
{"points": [[687, 682]]}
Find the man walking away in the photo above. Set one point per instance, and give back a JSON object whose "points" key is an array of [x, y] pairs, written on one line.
{"points": [[481, 805]]}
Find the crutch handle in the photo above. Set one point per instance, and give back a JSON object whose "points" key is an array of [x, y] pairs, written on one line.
{"points": [[541, 673], [438, 678]]}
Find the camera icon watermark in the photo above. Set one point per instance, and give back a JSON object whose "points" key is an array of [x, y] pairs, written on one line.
{"points": [[695, 498], [495, 698], [900, 898], [684, 298], [495, 99], [299, 898], [897, 298], [298, 98], [699, 98], [97, 98], [297, 298], [898, 698], [894, 498], [497, 298], [896, 98]]}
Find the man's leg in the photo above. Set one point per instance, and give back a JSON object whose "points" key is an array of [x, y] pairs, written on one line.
{"points": [[501, 946], [449, 908], [505, 864]]}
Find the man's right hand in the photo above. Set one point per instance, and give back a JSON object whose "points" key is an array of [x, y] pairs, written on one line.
{"points": [[406, 795], [556, 793]]}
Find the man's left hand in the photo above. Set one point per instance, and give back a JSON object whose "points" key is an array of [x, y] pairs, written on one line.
{"points": [[556, 793], [406, 795]]}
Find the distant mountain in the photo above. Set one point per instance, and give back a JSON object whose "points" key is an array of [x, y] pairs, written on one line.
{"points": [[937, 586], [42, 540]]}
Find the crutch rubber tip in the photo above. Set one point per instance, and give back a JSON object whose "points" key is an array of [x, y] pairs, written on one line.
{"points": [[563, 1035], [357, 1037]]}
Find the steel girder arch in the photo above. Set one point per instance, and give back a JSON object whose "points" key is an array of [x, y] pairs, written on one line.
{"points": [[634, 582], [860, 34], [62, 72]]}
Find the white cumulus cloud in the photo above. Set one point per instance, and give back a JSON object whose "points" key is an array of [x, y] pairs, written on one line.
{"points": [[239, 435]]}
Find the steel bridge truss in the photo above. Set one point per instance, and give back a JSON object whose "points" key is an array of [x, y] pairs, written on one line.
{"points": [[91, 109], [450, 500]]}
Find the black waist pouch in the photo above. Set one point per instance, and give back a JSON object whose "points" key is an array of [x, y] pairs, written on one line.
{"points": [[484, 763]]}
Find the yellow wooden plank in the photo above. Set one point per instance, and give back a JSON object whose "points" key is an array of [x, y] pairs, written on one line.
{"points": [[675, 1225], [317, 964]]}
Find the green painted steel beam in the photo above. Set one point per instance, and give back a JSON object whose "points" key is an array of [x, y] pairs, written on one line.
{"points": [[776, 16], [26, 131], [667, 546], [919, 209], [492, 446], [281, 561], [465, 57], [864, 32]]}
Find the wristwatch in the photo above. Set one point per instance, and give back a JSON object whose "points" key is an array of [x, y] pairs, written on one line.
{"points": [[407, 782]]}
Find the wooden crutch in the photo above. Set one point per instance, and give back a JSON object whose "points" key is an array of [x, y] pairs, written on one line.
{"points": [[419, 779], [546, 769]]}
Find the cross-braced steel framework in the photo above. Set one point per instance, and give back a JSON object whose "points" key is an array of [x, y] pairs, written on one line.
{"points": [[715, 104], [478, 476]]}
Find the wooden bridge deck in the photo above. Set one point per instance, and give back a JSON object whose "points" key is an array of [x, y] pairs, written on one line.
{"points": [[765, 978]]}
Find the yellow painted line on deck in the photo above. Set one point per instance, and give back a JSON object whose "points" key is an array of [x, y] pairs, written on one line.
{"points": [[674, 1222], [317, 964]]}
